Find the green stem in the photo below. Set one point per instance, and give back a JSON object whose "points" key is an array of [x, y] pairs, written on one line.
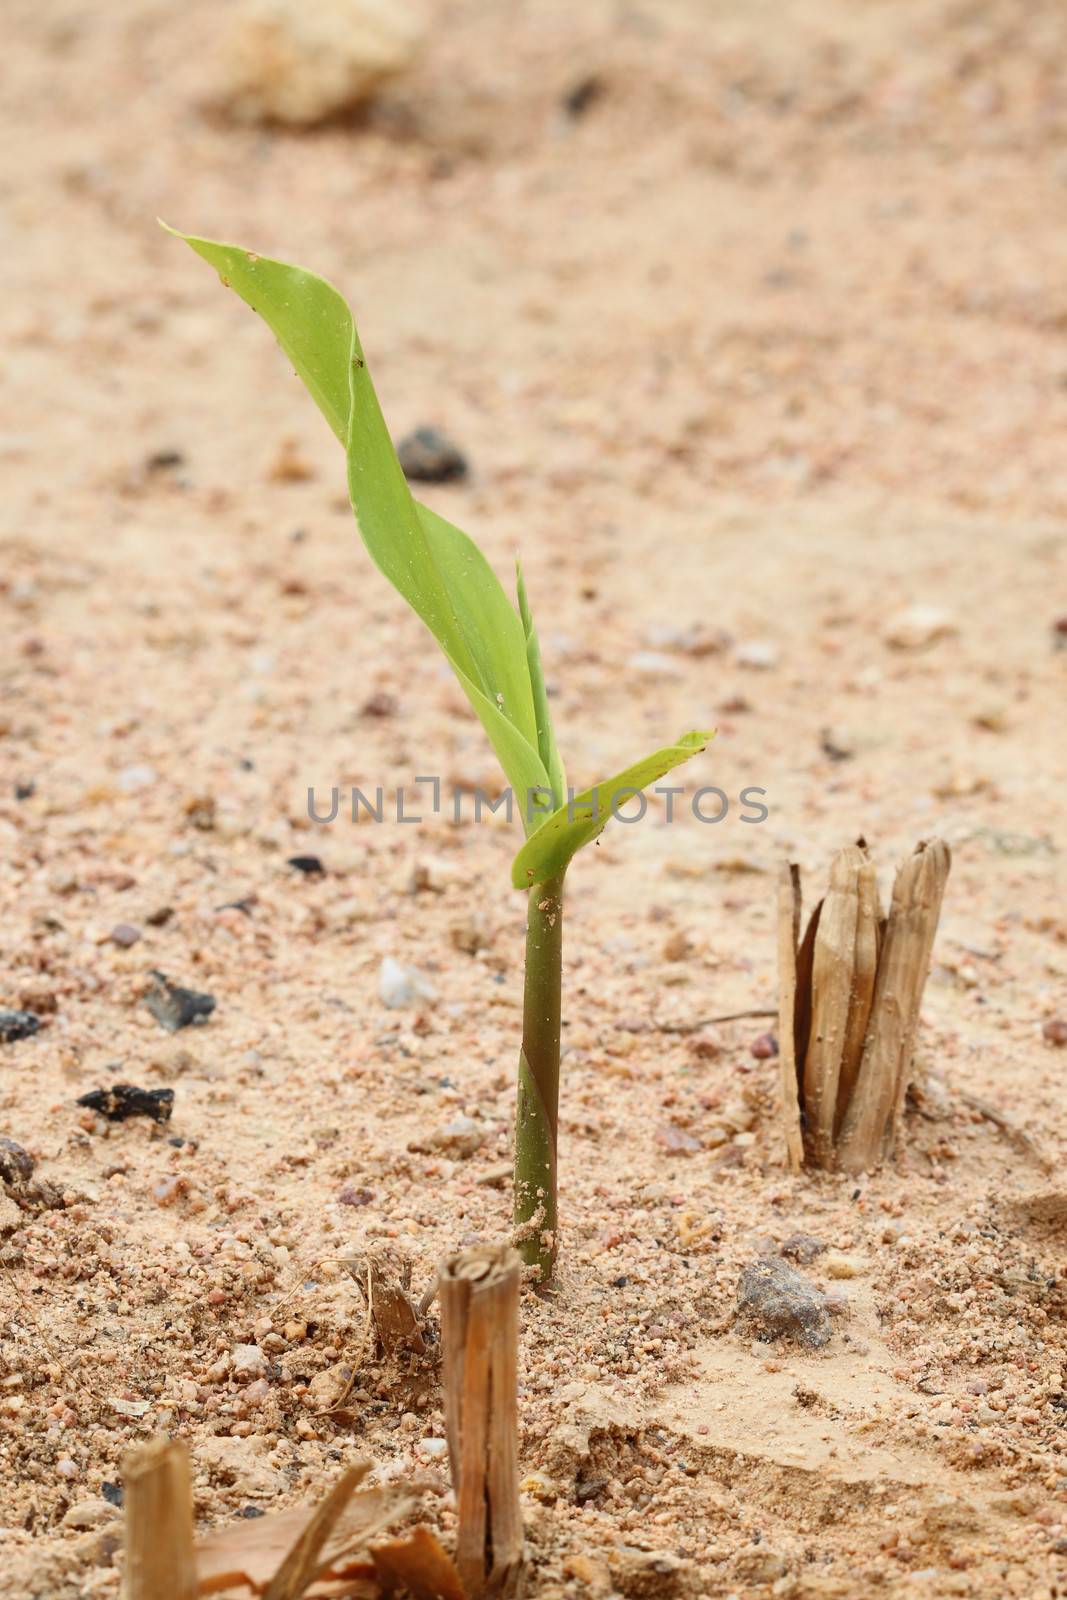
{"points": [[538, 1100]]}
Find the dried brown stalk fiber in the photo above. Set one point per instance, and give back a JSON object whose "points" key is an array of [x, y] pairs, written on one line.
{"points": [[788, 940], [873, 1115], [159, 1523], [303, 1561], [479, 1292], [396, 1319], [850, 993]]}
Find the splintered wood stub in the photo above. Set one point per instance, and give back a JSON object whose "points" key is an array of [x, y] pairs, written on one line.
{"points": [[479, 1293], [832, 975], [864, 973], [878, 1099], [788, 939], [850, 994], [159, 1523]]}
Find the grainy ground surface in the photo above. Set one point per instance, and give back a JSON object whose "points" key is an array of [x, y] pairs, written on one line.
{"points": [[767, 345]]}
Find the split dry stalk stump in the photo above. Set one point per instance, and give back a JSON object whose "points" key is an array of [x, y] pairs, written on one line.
{"points": [[850, 993], [479, 1294]]}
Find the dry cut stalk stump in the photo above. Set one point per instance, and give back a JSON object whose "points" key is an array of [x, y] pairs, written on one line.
{"points": [[160, 1564], [850, 993], [479, 1292]]}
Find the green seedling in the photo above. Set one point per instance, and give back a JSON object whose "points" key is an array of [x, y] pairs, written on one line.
{"points": [[492, 648]]}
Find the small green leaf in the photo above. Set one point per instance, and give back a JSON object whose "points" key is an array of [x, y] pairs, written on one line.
{"points": [[440, 572], [548, 850], [546, 738]]}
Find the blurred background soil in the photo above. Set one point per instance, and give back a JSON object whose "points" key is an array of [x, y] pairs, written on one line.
{"points": [[751, 322]]}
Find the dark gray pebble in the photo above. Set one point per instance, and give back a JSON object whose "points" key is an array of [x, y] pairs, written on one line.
{"points": [[781, 1301], [582, 95], [802, 1247], [429, 456], [17, 1025], [174, 1007], [16, 1164]]}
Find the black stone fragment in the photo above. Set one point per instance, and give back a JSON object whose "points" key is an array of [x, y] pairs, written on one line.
{"points": [[582, 94], [429, 456], [112, 1493], [17, 1025], [174, 1007], [25, 789], [164, 460], [310, 865], [126, 1100]]}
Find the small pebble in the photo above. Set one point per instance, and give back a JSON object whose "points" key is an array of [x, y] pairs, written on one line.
{"points": [[163, 460], [836, 745], [536, 1484], [16, 1025], [781, 1300], [802, 1247], [1054, 1031], [126, 1100], [764, 1046], [760, 655], [174, 1007], [87, 1514], [653, 664], [124, 934], [380, 704], [497, 1177], [461, 1137], [915, 627], [429, 456], [582, 95], [678, 947], [704, 1046], [836, 1265], [676, 1141], [16, 1164], [400, 986], [132, 779], [249, 1361], [310, 866]]}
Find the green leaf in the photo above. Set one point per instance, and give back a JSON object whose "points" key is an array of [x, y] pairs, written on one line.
{"points": [[548, 850], [440, 572], [546, 738]]}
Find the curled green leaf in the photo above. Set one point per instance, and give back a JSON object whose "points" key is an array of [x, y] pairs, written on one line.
{"points": [[584, 817]]}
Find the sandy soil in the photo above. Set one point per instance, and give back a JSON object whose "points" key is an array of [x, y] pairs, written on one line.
{"points": [[767, 345]]}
